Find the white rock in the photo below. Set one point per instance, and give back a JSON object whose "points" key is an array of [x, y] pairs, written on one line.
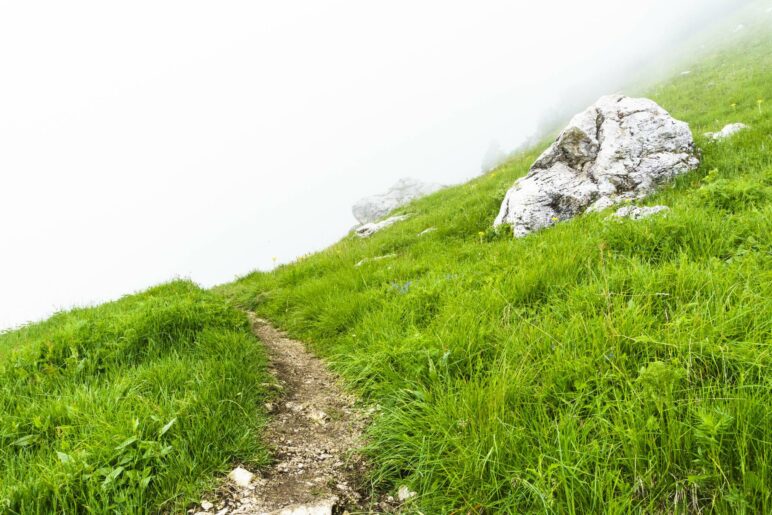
{"points": [[370, 209], [427, 231], [241, 476], [728, 131], [686, 72], [376, 258], [618, 149], [206, 505], [363, 231], [318, 416], [636, 213], [404, 493], [602, 203], [323, 507]]}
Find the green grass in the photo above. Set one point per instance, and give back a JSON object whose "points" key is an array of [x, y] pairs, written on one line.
{"points": [[597, 366], [130, 407]]}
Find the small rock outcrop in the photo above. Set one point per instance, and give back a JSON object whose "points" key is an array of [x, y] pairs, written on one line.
{"points": [[620, 148], [728, 131], [363, 231], [636, 212], [371, 209]]}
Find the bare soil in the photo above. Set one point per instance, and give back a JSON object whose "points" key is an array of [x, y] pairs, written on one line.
{"points": [[314, 430]]}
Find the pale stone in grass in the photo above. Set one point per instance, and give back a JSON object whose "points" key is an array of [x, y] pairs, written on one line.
{"points": [[241, 476], [636, 212], [728, 131], [404, 493], [427, 231], [363, 231], [373, 208], [376, 258], [618, 149]]}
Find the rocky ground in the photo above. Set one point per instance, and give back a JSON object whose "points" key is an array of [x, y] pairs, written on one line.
{"points": [[314, 430]]}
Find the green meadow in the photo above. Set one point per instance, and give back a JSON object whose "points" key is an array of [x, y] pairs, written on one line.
{"points": [[597, 366]]}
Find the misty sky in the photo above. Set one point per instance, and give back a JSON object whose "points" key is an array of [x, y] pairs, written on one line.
{"points": [[141, 141]]}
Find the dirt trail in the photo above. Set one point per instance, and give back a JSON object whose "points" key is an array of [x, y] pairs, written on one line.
{"points": [[314, 428]]}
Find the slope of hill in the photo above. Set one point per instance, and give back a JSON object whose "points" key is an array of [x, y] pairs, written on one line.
{"points": [[129, 407], [597, 366]]}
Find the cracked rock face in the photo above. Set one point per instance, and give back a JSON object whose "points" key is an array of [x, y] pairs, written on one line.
{"points": [[620, 148], [373, 208]]}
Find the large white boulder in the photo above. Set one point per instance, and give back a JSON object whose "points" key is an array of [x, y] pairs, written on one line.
{"points": [[620, 148], [371, 209]]}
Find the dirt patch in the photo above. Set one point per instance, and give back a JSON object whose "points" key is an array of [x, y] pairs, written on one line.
{"points": [[314, 430]]}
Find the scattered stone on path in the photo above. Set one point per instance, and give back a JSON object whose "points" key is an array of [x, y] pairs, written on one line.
{"points": [[318, 416], [618, 149], [241, 476], [323, 507], [363, 231], [639, 212], [728, 131]]}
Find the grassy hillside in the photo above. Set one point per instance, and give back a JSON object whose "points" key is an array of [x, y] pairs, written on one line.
{"points": [[597, 366], [128, 407]]}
